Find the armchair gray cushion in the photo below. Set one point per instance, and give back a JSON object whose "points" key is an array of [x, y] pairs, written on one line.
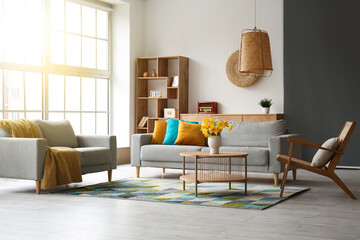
{"points": [[58, 133], [4, 133]]}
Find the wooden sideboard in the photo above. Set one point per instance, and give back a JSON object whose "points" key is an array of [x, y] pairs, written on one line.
{"points": [[234, 117]]}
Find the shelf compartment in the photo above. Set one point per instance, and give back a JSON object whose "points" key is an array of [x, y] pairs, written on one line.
{"points": [[172, 92]]}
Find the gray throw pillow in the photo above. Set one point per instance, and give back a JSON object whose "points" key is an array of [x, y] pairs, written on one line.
{"points": [[4, 133], [322, 157], [58, 133]]}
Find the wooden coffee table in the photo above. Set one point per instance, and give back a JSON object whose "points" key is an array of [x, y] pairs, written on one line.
{"points": [[215, 168]]}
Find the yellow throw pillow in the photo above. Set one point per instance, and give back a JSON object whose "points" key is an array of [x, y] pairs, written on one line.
{"points": [[159, 132], [190, 134]]}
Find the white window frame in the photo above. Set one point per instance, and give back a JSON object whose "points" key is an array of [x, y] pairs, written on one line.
{"points": [[48, 68]]}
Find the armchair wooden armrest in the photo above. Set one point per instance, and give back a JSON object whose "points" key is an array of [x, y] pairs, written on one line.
{"points": [[311, 144]]}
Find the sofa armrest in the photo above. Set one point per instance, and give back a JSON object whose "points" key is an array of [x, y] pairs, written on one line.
{"points": [[137, 141], [100, 141], [22, 158], [280, 144]]}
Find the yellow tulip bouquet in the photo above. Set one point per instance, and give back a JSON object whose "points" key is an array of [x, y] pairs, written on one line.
{"points": [[212, 128]]}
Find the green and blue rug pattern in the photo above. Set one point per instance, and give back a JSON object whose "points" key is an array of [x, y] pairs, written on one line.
{"points": [[170, 191]]}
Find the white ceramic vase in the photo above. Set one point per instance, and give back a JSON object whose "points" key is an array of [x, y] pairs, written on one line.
{"points": [[214, 143], [266, 110]]}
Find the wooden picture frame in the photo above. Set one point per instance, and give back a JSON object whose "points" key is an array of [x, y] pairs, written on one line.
{"points": [[155, 93]]}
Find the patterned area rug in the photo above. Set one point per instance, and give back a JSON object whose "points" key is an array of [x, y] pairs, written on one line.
{"points": [[170, 191]]}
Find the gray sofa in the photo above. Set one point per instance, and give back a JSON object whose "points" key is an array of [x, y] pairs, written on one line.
{"points": [[23, 158], [261, 140]]}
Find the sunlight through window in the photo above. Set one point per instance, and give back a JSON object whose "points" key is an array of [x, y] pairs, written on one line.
{"points": [[54, 62]]}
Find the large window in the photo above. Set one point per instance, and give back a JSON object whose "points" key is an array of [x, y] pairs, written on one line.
{"points": [[55, 62]]}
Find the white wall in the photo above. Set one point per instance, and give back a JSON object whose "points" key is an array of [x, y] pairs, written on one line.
{"points": [[208, 32], [128, 44]]}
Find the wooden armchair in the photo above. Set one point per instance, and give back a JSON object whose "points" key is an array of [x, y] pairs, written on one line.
{"points": [[329, 169]]}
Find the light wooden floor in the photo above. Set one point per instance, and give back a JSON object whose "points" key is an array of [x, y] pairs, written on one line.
{"points": [[323, 212]]}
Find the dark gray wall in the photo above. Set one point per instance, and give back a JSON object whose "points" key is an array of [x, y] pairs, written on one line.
{"points": [[322, 71]]}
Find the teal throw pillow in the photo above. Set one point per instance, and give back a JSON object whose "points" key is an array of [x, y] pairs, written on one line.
{"points": [[172, 130]]}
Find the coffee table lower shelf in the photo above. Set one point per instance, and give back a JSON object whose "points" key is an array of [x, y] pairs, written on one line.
{"points": [[210, 177]]}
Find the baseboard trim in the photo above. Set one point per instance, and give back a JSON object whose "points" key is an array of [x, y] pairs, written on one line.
{"points": [[348, 167]]}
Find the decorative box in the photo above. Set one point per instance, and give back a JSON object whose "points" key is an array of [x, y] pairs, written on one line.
{"points": [[171, 113]]}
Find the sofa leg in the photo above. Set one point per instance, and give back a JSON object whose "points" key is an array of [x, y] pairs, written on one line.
{"points": [[137, 172], [276, 179], [109, 175], [38, 186], [163, 170], [294, 174]]}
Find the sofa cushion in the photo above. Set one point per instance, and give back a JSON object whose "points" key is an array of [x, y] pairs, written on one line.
{"points": [[58, 133], [90, 156], [166, 153], [252, 134], [258, 156], [5, 133]]}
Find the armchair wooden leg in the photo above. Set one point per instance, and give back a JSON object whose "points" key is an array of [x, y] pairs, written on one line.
{"points": [[276, 179], [294, 174], [137, 172], [284, 179], [38, 186], [163, 170], [340, 183], [109, 175]]}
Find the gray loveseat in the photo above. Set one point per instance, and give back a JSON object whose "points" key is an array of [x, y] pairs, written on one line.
{"points": [[261, 140], [23, 158]]}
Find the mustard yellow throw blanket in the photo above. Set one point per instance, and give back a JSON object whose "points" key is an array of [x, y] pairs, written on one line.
{"points": [[62, 164]]}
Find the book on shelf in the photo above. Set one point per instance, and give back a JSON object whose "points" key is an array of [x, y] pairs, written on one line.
{"points": [[143, 122]]}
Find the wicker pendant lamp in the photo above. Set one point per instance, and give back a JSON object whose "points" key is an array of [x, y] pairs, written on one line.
{"points": [[255, 53]]}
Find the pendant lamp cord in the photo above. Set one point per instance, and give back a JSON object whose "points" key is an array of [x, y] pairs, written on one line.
{"points": [[255, 13]]}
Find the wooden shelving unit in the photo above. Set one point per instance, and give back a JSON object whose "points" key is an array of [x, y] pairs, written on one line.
{"points": [[164, 67]]}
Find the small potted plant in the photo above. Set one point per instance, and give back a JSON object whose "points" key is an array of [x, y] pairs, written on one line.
{"points": [[266, 104]]}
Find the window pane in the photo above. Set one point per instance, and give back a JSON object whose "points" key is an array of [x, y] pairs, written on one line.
{"points": [[88, 94], [74, 119], [34, 115], [102, 24], [57, 14], [33, 91], [88, 21], [14, 115], [88, 52], [73, 49], [88, 123], [1, 89], [14, 90], [72, 17], [1, 41], [102, 54], [56, 92], [33, 32], [33, 49], [102, 124], [102, 94], [13, 31], [72, 93], [56, 116], [57, 48]]}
